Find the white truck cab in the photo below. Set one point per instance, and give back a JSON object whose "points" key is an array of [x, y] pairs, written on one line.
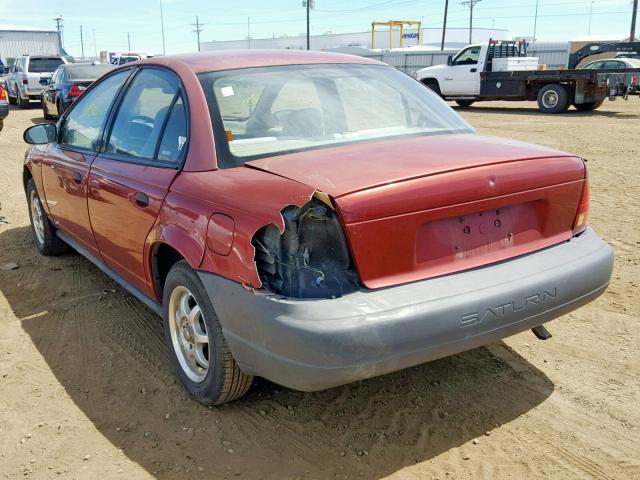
{"points": [[460, 76]]}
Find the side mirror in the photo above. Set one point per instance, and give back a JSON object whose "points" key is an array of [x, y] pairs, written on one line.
{"points": [[44, 81], [41, 134], [450, 60]]}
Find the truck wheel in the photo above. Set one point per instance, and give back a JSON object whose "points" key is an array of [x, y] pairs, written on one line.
{"points": [[433, 85], [553, 98], [465, 103], [44, 233], [587, 107], [198, 349], [22, 103]]}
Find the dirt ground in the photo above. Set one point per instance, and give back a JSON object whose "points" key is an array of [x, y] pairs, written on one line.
{"points": [[86, 390]]}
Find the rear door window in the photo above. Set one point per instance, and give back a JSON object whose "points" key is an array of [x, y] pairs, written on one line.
{"points": [[142, 114]]}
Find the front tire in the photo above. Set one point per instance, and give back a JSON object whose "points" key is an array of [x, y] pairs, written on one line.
{"points": [[433, 85], [465, 103], [44, 233], [553, 98], [199, 351]]}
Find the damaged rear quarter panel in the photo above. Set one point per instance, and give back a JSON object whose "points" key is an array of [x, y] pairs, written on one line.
{"points": [[252, 198]]}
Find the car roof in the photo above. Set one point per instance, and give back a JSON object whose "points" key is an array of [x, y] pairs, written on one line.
{"points": [[73, 66], [235, 59]]}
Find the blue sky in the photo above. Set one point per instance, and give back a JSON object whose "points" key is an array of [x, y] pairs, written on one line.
{"points": [[109, 21]]}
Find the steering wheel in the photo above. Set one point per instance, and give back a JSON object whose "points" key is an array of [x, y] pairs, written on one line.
{"points": [[143, 119]]}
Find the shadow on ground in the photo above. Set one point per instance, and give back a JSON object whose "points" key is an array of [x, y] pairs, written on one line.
{"points": [[107, 351], [533, 110]]}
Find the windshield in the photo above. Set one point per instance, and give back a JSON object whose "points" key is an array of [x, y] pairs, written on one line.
{"points": [[259, 112], [43, 65]]}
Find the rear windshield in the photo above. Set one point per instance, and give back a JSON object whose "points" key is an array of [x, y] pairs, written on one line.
{"points": [[87, 72], [42, 65], [265, 111]]}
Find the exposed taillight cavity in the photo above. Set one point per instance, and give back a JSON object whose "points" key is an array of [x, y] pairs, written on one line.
{"points": [[25, 81], [582, 215], [76, 90]]}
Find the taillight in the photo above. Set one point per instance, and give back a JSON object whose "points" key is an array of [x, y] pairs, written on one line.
{"points": [[25, 81], [76, 90], [582, 215], [3, 93]]}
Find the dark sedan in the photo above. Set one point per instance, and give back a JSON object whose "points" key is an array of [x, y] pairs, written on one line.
{"points": [[66, 84]]}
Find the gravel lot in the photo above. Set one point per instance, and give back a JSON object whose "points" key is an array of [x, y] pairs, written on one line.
{"points": [[86, 390]]}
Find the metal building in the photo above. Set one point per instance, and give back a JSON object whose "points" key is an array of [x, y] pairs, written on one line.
{"points": [[16, 40]]}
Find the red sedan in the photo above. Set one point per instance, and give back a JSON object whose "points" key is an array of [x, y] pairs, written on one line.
{"points": [[310, 218]]}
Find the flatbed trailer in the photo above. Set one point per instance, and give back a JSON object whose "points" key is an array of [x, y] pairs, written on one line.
{"points": [[469, 77]]}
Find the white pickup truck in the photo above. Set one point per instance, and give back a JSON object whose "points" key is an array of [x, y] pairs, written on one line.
{"points": [[501, 70]]}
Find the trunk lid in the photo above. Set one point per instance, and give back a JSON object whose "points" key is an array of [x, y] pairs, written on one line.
{"points": [[429, 206]]}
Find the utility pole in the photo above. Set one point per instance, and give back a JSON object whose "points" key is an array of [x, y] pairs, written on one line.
{"points": [[590, 14], [95, 49], [81, 42], [162, 28], [309, 4], [535, 21], [444, 23], [129, 40], [197, 30], [249, 32], [633, 22], [59, 27], [471, 4]]}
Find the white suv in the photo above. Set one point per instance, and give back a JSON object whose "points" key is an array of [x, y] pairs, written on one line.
{"points": [[25, 80]]}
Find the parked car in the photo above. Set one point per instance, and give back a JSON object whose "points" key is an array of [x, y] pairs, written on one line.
{"points": [[23, 80], [308, 217], [122, 59], [66, 84], [618, 63], [4, 103]]}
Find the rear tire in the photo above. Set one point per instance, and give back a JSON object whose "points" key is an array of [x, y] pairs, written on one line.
{"points": [[465, 103], [12, 99], [433, 85], [44, 233], [198, 349], [587, 107], [22, 103], [45, 110], [553, 98]]}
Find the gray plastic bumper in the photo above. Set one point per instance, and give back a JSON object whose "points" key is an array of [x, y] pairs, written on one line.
{"points": [[315, 344]]}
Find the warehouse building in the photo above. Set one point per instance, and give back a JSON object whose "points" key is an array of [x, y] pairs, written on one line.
{"points": [[429, 37], [17, 40]]}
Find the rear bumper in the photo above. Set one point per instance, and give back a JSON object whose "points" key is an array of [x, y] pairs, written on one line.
{"points": [[315, 344]]}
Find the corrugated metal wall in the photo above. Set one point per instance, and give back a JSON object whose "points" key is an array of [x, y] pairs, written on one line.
{"points": [[553, 55], [16, 43]]}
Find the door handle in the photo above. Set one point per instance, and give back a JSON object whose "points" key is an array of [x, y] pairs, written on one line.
{"points": [[77, 178], [473, 70], [141, 199]]}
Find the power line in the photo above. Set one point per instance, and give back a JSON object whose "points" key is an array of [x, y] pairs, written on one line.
{"points": [[471, 4]]}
